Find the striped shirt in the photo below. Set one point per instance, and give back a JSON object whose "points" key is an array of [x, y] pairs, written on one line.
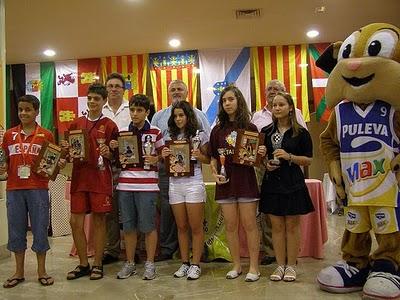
{"points": [[138, 179]]}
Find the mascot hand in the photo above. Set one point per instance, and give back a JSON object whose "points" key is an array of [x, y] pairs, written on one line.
{"points": [[395, 166], [335, 173]]}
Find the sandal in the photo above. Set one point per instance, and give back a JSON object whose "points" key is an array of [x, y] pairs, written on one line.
{"points": [[12, 282], [78, 272], [278, 274], [290, 274], [96, 273], [46, 280]]}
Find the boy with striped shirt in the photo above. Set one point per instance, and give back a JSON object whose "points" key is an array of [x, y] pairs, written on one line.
{"points": [[138, 190]]}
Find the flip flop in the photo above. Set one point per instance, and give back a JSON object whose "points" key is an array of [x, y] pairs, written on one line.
{"points": [[12, 282], [45, 281]]}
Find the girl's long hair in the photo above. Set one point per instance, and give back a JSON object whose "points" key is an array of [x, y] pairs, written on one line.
{"points": [[192, 124], [292, 115], [242, 116]]}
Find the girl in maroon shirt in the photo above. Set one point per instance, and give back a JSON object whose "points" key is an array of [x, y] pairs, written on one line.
{"points": [[236, 190]]}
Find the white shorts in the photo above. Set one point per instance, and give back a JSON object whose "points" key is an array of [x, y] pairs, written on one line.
{"points": [[194, 192]]}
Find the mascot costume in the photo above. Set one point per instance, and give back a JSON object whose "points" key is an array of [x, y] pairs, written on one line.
{"points": [[361, 147]]}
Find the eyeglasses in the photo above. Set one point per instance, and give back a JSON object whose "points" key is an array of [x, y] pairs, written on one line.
{"points": [[114, 86]]}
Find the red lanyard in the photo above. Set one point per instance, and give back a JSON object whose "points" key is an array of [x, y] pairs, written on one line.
{"points": [[24, 156]]}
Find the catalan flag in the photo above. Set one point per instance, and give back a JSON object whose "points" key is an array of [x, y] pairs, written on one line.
{"points": [[319, 80], [165, 67], [132, 67], [287, 64]]}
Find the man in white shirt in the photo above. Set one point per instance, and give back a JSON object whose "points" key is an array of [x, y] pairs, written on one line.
{"points": [[261, 119], [117, 109], [177, 91]]}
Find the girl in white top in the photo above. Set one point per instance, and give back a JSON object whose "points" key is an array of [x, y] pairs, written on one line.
{"points": [[187, 194]]}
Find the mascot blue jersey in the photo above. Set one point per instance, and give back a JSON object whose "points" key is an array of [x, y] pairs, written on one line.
{"points": [[368, 143]]}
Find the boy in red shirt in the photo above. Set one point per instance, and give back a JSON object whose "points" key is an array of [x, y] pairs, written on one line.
{"points": [[91, 183], [27, 192]]}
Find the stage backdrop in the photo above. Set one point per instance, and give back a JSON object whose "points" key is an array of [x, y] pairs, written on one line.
{"points": [[219, 68], [168, 66], [287, 64]]}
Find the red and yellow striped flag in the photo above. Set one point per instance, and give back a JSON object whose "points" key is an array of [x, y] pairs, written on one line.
{"points": [[287, 64], [165, 67], [132, 67]]}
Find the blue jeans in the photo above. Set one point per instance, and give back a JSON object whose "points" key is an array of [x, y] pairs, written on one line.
{"points": [[20, 203]]}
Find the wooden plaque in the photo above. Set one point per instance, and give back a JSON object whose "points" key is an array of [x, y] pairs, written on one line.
{"points": [[129, 149], [246, 148], [46, 163], [78, 144], [178, 164]]}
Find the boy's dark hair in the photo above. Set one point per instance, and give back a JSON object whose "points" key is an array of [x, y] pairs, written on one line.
{"points": [[116, 76], [98, 88], [30, 99], [192, 124], [140, 100]]}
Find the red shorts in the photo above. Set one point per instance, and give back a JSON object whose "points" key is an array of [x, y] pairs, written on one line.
{"points": [[86, 202]]}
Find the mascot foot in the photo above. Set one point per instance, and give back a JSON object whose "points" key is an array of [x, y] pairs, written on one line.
{"points": [[342, 278], [382, 283]]}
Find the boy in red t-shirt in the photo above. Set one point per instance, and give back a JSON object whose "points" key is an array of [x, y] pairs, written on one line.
{"points": [[91, 183], [27, 192]]}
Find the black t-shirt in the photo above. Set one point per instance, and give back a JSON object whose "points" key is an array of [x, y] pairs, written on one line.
{"points": [[287, 178]]}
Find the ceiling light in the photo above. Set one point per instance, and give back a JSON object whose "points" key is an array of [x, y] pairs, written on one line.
{"points": [[49, 52], [303, 65], [312, 33], [298, 84], [174, 43]]}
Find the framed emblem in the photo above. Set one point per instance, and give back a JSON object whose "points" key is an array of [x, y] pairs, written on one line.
{"points": [[128, 150], [178, 164], [246, 148], [46, 164], [78, 144]]}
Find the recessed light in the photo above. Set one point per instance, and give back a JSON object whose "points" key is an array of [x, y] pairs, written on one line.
{"points": [[174, 43], [312, 33], [49, 52]]}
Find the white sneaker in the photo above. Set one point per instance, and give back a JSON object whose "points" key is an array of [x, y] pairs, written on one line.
{"points": [[182, 271], [194, 272], [149, 271], [128, 269]]}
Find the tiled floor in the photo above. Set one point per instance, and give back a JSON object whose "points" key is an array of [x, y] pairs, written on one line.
{"points": [[211, 285]]}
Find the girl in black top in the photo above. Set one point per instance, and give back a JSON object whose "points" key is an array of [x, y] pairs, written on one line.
{"points": [[284, 194]]}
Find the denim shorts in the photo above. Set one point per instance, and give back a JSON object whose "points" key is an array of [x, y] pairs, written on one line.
{"points": [[236, 200], [20, 203], [137, 210]]}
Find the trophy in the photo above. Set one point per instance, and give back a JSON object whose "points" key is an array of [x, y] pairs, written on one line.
{"points": [[3, 158], [276, 140], [221, 152], [148, 147], [101, 139], [196, 141]]}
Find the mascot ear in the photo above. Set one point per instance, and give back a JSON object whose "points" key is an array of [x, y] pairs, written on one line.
{"points": [[328, 60]]}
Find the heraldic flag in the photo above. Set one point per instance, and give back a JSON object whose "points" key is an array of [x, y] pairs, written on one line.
{"points": [[34, 79], [287, 64], [218, 69], [132, 67], [73, 78], [168, 66], [319, 80]]}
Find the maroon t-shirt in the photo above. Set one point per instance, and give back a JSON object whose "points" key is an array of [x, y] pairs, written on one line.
{"points": [[242, 179], [86, 176]]}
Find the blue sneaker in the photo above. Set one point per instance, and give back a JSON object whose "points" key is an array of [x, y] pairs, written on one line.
{"points": [[342, 278]]}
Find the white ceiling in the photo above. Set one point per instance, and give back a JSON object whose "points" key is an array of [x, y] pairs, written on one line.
{"points": [[96, 28]]}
